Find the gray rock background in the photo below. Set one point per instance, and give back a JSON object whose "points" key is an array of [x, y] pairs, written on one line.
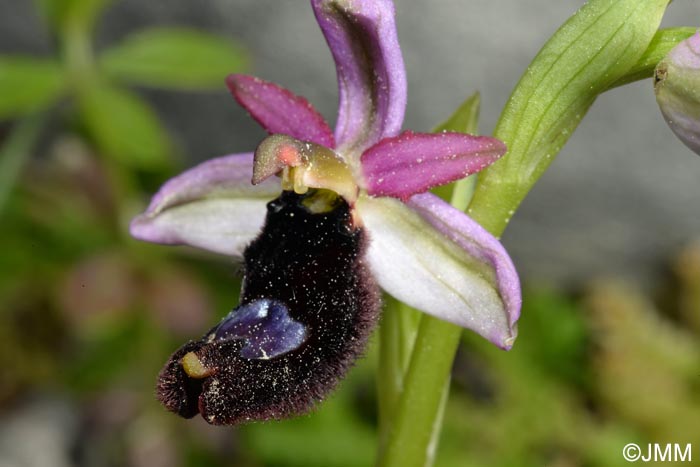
{"points": [[622, 196]]}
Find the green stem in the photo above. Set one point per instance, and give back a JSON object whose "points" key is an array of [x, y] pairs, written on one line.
{"points": [[545, 108], [416, 426], [78, 55], [417, 421], [397, 335], [15, 152], [399, 362], [78, 52]]}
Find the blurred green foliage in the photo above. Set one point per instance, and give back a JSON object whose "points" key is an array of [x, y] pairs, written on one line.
{"points": [[32, 85], [177, 58], [111, 113], [121, 124]]}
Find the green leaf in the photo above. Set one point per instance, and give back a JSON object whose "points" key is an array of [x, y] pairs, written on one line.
{"points": [[28, 85], [465, 119], [124, 127], [661, 45], [596, 47], [174, 57]]}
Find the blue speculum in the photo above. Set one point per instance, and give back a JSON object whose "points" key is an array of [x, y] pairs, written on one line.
{"points": [[308, 306], [266, 328]]}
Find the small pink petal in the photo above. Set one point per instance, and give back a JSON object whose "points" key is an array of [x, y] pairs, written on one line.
{"points": [[280, 111], [415, 162]]}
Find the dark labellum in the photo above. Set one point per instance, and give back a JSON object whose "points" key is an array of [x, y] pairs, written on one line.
{"points": [[308, 306]]}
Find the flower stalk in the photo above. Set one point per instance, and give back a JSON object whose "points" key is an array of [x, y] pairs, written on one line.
{"points": [[400, 329], [397, 335], [594, 49]]}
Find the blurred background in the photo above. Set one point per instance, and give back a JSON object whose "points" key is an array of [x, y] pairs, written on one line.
{"points": [[101, 101]]}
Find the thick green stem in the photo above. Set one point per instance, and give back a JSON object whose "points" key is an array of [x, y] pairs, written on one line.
{"points": [[78, 53], [415, 431], [75, 32], [401, 324], [416, 426], [397, 335], [594, 50]]}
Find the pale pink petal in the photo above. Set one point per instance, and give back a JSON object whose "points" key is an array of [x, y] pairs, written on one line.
{"points": [[212, 206], [436, 259], [371, 76]]}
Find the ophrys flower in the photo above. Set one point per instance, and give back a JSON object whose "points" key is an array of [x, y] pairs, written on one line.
{"points": [[355, 208]]}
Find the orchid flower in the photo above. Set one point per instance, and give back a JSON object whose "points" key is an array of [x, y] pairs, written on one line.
{"points": [[358, 199]]}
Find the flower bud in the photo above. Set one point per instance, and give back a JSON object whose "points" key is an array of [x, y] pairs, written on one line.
{"points": [[677, 88]]}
